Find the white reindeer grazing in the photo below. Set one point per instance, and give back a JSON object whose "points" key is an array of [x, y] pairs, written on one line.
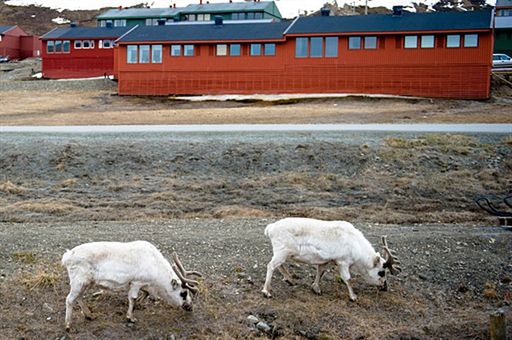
{"points": [[321, 243], [133, 266]]}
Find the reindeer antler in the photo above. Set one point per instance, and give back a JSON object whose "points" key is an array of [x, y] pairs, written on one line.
{"points": [[182, 274], [391, 260]]}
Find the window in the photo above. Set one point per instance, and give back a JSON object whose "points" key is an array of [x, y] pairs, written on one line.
{"points": [[78, 44], [144, 54], [156, 54], [106, 44], [471, 40], [188, 50], [222, 50], [255, 49], [453, 40], [65, 46], [120, 23], [427, 41], [203, 17], [250, 15], [354, 43], [238, 16], [370, 43], [131, 54], [270, 49], [191, 17], [301, 47], [234, 50], [317, 46], [87, 44], [331, 47], [411, 41], [58, 46], [50, 46], [175, 50], [258, 15]]}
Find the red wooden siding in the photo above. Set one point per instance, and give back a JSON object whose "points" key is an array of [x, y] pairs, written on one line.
{"points": [[389, 69], [78, 63], [19, 45]]}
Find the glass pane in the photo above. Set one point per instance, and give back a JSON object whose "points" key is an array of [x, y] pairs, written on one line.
{"points": [[78, 44], [144, 54], [270, 49], [58, 46], [453, 40], [222, 50], [258, 15], [255, 49], [370, 42], [301, 47], [65, 46], [316, 47], [427, 41], [234, 50], [175, 50], [411, 41], [131, 56], [188, 50], [156, 54], [331, 47], [471, 40], [50, 46], [354, 43]]}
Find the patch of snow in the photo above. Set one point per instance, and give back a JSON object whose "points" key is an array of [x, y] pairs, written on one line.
{"points": [[38, 75], [61, 21]]}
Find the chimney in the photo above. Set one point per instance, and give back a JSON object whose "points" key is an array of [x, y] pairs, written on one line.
{"points": [[161, 22], [200, 2], [174, 5], [120, 7], [219, 21], [325, 12], [108, 24], [397, 11], [72, 24]]}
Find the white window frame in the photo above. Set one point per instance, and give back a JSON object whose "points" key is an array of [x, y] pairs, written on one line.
{"points": [[189, 47], [471, 34], [355, 38], [221, 50], [426, 44], [175, 48], [411, 41], [156, 54], [132, 48], [449, 44]]}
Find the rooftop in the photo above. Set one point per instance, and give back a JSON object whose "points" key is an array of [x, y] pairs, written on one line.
{"points": [[208, 32], [86, 32], [503, 3], [4, 29], [135, 13], [436, 21]]}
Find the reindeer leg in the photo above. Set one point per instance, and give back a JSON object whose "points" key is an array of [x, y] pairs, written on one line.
{"points": [[320, 271], [345, 277], [133, 292], [277, 260], [287, 276]]}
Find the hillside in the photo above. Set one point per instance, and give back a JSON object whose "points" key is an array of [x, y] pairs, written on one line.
{"points": [[38, 19]]}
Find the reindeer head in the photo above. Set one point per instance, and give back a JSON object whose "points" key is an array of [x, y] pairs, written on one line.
{"points": [[188, 286]]}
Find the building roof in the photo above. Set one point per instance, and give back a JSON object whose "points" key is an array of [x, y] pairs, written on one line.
{"points": [[503, 23], [4, 29], [137, 13], [503, 3], [208, 32], [436, 21], [265, 6], [86, 32]]}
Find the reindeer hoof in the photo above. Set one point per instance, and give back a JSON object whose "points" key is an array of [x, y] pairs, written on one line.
{"points": [[353, 298], [316, 289], [290, 282], [68, 328], [266, 294], [131, 319]]}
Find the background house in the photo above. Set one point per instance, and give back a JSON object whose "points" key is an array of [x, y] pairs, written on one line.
{"points": [[443, 54], [255, 10], [79, 52], [17, 44], [503, 27]]}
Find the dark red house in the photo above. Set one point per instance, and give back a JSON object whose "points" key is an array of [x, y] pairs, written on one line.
{"points": [[80, 52], [17, 44], [425, 54]]}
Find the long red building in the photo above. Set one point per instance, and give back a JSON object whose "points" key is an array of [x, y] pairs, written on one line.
{"points": [[426, 54], [79, 52]]}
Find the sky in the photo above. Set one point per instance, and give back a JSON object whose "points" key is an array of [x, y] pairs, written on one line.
{"points": [[288, 8]]}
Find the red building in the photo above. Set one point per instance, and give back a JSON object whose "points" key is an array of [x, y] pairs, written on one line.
{"points": [[17, 44], [79, 52], [426, 54]]}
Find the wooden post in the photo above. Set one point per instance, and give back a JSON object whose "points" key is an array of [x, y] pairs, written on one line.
{"points": [[498, 325]]}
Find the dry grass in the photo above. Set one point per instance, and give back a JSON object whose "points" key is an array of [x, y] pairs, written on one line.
{"points": [[43, 206], [11, 188], [43, 277], [25, 257]]}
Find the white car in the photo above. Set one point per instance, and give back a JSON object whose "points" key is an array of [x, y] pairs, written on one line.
{"points": [[501, 60]]}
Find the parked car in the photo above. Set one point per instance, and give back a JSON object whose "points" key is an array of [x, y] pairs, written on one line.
{"points": [[4, 59], [501, 60]]}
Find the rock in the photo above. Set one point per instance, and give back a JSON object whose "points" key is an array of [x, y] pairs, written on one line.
{"points": [[262, 326], [251, 319]]}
